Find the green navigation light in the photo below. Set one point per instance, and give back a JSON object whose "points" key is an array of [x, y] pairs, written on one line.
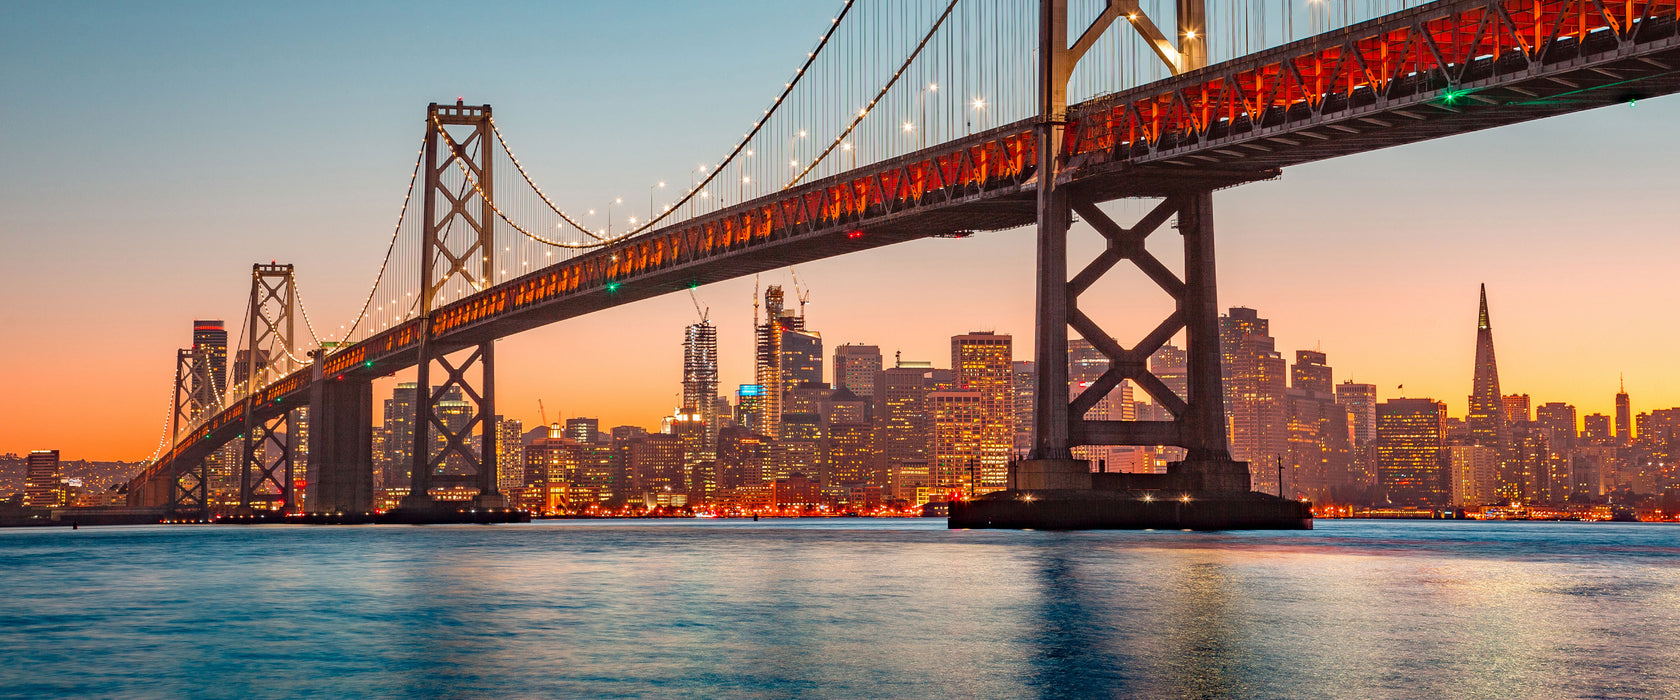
{"points": [[612, 287]]}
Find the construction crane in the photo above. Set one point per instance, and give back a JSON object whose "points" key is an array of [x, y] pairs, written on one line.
{"points": [[803, 295], [704, 313], [544, 412]]}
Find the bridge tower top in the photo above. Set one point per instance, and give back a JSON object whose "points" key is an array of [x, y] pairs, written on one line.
{"points": [[457, 213]]}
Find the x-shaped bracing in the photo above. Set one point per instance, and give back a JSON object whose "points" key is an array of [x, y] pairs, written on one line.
{"points": [[189, 490], [1126, 244], [268, 461], [477, 248], [455, 442]]}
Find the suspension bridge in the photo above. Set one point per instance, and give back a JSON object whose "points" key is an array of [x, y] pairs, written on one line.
{"points": [[906, 120]]}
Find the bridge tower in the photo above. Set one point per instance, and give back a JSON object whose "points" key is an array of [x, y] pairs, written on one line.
{"points": [[267, 455], [1199, 419], [458, 249], [189, 490]]}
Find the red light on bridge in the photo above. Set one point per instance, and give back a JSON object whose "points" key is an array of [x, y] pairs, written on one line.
{"points": [[854, 235]]}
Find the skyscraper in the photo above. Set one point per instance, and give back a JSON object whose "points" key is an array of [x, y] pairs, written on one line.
{"points": [[1517, 408], [510, 454], [1559, 417], [1624, 417], [903, 420], [1408, 449], [788, 356], [1255, 383], [1361, 403], [1486, 417], [1595, 429], [1473, 472], [1085, 365], [700, 383], [1311, 372], [768, 360], [40, 479], [983, 362], [749, 408], [583, 429], [855, 367], [1026, 389], [1170, 365], [959, 423], [1320, 452], [742, 456], [210, 359], [399, 433]]}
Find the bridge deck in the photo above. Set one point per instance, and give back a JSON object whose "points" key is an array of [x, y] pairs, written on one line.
{"points": [[1446, 68]]}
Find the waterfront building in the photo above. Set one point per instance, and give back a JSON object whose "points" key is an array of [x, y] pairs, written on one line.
{"points": [[1025, 389], [41, 480], [1408, 452], [959, 420], [399, 433], [1255, 383], [850, 455], [1319, 438], [983, 363], [911, 481], [549, 473], [797, 492], [742, 458], [1474, 471], [903, 419], [800, 447], [1360, 400], [510, 454], [656, 466]]}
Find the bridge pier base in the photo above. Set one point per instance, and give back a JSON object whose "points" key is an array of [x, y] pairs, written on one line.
{"points": [[455, 464], [340, 446], [1207, 489]]}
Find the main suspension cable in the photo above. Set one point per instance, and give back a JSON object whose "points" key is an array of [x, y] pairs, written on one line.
{"points": [[865, 111], [418, 160]]}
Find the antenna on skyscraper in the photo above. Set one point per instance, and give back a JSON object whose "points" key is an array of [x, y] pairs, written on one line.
{"points": [[755, 301]]}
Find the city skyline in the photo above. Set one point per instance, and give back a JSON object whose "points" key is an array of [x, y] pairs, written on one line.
{"points": [[1380, 294]]}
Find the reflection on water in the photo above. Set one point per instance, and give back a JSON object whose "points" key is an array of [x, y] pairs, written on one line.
{"points": [[841, 608]]}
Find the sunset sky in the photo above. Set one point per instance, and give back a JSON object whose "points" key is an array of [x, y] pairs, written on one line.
{"points": [[152, 152]]}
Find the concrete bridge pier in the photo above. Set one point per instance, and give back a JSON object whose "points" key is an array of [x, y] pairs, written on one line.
{"points": [[340, 476]]}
